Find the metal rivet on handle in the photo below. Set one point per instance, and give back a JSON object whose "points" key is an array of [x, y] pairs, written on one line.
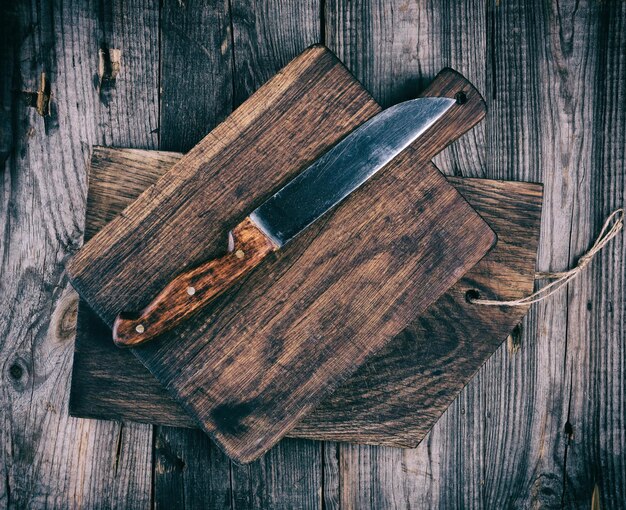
{"points": [[191, 291], [139, 328]]}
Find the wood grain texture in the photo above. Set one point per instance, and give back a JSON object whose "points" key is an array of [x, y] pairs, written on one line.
{"points": [[387, 401], [348, 245], [248, 404], [260, 50], [568, 336], [196, 70], [502, 443], [47, 459], [190, 291], [595, 438], [192, 180], [521, 52], [197, 77], [189, 471], [266, 37], [397, 396], [394, 48], [446, 470], [289, 476]]}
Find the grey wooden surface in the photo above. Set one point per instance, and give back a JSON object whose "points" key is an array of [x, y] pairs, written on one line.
{"points": [[542, 424]]}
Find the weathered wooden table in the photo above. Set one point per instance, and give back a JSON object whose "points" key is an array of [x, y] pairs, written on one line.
{"points": [[544, 422]]}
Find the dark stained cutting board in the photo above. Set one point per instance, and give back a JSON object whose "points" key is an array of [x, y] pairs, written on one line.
{"points": [[398, 394], [264, 354]]}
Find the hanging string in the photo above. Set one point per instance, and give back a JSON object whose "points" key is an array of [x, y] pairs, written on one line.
{"points": [[610, 229]]}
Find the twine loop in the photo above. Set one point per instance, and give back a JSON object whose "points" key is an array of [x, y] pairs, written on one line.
{"points": [[610, 229]]}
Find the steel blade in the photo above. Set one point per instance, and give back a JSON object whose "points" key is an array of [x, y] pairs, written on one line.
{"points": [[345, 167]]}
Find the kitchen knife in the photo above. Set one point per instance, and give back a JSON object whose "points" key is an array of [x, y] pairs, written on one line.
{"points": [[319, 188]]}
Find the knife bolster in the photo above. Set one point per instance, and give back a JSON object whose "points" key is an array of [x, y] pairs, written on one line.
{"points": [[193, 289]]}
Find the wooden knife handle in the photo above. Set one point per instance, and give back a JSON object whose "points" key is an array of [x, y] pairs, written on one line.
{"points": [[191, 290]]}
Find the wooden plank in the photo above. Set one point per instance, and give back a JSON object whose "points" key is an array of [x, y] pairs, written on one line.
{"points": [[266, 37], [113, 251], [128, 98], [48, 458], [189, 471], [288, 476], [127, 107], [595, 354], [534, 426], [256, 57], [394, 48], [598, 424], [195, 97], [389, 400], [525, 413]]}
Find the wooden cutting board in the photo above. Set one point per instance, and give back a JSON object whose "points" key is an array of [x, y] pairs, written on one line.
{"points": [[400, 392], [252, 364]]}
